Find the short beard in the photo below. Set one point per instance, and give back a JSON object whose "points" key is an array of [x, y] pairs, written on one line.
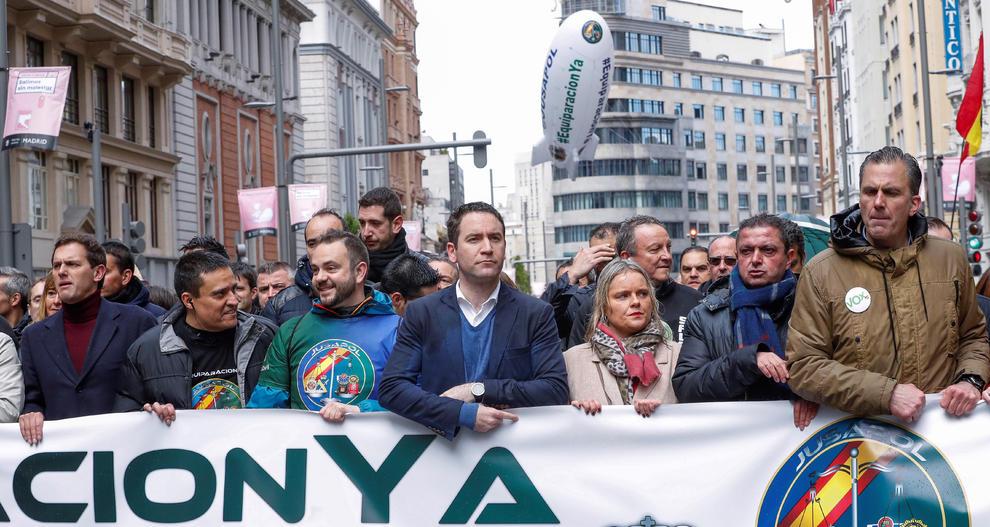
{"points": [[342, 291]]}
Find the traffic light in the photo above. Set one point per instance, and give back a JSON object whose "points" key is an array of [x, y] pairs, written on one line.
{"points": [[242, 252], [974, 240], [133, 232], [693, 233]]}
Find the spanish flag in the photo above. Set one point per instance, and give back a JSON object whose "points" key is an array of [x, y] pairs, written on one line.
{"points": [[969, 121]]}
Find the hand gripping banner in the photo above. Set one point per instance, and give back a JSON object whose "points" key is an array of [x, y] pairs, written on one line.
{"points": [[695, 465]]}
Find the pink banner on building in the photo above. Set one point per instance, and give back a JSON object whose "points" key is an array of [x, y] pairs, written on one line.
{"points": [[304, 200], [259, 211], [414, 234], [967, 179], [35, 101]]}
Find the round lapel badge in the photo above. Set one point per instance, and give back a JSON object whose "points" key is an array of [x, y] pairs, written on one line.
{"points": [[858, 300]]}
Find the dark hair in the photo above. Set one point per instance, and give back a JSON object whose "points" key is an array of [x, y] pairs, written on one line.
{"points": [[192, 266], [95, 254], [454, 220], [694, 249], [356, 250], [764, 219], [407, 274], [795, 236], [120, 252], [983, 286], [206, 243], [243, 270], [567, 263], [385, 197], [274, 267], [937, 223], [604, 230], [625, 239], [889, 155], [17, 282], [162, 297]]}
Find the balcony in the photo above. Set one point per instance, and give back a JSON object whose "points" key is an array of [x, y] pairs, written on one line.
{"points": [[897, 110], [895, 52]]}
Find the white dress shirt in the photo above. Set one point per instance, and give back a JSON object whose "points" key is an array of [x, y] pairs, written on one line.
{"points": [[476, 316]]}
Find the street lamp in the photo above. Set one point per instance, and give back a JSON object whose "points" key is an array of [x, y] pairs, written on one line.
{"points": [[257, 105], [395, 89]]}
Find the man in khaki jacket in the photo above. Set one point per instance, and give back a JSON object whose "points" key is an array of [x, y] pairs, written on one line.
{"points": [[888, 314]]}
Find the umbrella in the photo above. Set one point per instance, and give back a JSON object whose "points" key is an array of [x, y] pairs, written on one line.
{"points": [[816, 232]]}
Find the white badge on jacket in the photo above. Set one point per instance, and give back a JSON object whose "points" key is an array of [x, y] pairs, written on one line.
{"points": [[858, 300]]}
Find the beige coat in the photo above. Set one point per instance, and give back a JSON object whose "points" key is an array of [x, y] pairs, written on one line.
{"points": [[588, 378]]}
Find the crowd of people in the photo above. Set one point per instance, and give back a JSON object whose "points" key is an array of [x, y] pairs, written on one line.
{"points": [[361, 323]]}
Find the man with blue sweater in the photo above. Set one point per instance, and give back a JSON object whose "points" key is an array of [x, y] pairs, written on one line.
{"points": [[466, 352]]}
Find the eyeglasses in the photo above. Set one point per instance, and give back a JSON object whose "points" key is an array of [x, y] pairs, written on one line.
{"points": [[717, 260]]}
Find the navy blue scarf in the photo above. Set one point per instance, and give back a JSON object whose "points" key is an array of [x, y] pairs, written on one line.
{"points": [[753, 324]]}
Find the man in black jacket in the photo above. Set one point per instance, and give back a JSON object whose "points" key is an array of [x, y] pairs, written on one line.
{"points": [[380, 216], [120, 285], [204, 354], [734, 341], [298, 299], [645, 240]]}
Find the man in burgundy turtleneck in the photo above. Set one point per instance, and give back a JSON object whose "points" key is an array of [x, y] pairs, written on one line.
{"points": [[72, 360]]}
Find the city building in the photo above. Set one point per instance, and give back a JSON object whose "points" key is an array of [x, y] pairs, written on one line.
{"points": [[342, 95], [443, 188], [533, 200], [706, 124], [125, 62], [224, 143], [402, 107]]}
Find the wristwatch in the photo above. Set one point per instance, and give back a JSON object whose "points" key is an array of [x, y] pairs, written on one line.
{"points": [[973, 379], [478, 391]]}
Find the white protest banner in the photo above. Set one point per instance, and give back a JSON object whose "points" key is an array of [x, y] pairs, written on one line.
{"points": [[259, 211], [35, 101], [304, 200], [698, 465]]}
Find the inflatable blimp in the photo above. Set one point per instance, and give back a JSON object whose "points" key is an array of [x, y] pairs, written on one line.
{"points": [[576, 77]]}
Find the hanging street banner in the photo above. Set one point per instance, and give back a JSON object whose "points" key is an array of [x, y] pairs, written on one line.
{"points": [[691, 465], [35, 101], [953, 38], [966, 176], [414, 234], [259, 211], [304, 200]]}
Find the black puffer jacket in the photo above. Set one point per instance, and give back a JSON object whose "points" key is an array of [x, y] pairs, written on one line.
{"points": [[711, 368], [158, 367], [295, 300]]}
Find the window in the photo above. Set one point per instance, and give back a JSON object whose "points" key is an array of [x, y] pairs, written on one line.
{"points": [[805, 204], [699, 111], [720, 113], [127, 113], [101, 98], [795, 202], [742, 172], [792, 91], [639, 42], [723, 171], [737, 86], [149, 10], [761, 173], [107, 214], [723, 227], [696, 82], [659, 12], [692, 200], [38, 190], [701, 170], [619, 199], [34, 53], [723, 201], [131, 194], [675, 229], [775, 90], [702, 201], [743, 201], [153, 213], [152, 117], [704, 228], [740, 143], [802, 146], [624, 167], [740, 115], [573, 233], [761, 203], [757, 116], [778, 118], [639, 76], [803, 174], [720, 142], [778, 146], [757, 88], [678, 108], [699, 139], [72, 173], [677, 80], [635, 106], [761, 143], [688, 139], [716, 83], [781, 175], [781, 204], [71, 112]]}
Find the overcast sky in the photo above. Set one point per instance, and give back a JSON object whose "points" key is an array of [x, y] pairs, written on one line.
{"points": [[480, 66]]}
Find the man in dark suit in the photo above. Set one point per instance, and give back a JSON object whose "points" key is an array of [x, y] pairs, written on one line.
{"points": [[468, 350], [72, 359]]}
